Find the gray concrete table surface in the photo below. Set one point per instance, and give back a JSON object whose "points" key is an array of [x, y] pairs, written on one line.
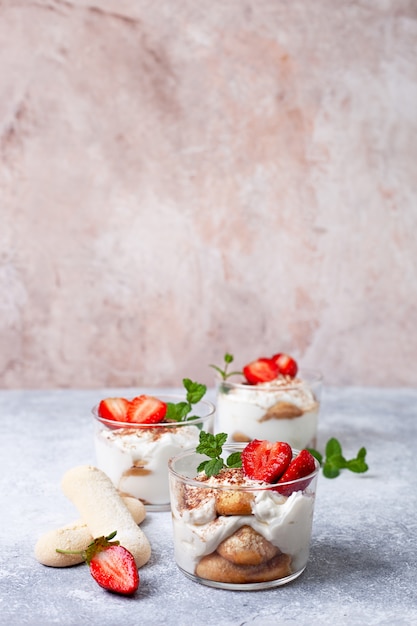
{"points": [[363, 562]]}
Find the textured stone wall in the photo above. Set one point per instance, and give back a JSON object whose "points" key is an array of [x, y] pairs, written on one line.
{"points": [[180, 178]]}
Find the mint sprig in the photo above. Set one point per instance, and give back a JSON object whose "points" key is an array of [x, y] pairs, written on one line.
{"points": [[212, 446], [334, 461], [180, 411], [228, 359]]}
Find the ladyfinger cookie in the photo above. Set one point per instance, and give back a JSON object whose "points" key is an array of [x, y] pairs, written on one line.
{"points": [[103, 510], [76, 537], [234, 503], [247, 547], [215, 567]]}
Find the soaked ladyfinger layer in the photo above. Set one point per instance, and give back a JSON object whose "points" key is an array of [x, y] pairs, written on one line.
{"points": [[217, 568], [247, 547]]}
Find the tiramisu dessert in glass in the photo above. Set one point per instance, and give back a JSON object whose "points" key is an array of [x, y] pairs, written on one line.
{"points": [[269, 399], [134, 438], [242, 516]]}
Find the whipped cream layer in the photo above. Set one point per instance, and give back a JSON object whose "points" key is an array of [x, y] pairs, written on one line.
{"points": [[135, 459], [281, 410], [286, 522]]}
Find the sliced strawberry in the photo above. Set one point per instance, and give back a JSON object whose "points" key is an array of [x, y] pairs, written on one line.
{"points": [[114, 409], [266, 460], [302, 465], [287, 366], [146, 410], [262, 370], [111, 565], [114, 569]]}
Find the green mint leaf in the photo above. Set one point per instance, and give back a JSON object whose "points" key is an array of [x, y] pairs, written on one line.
{"points": [[330, 471], [228, 358], [212, 446], [207, 449], [362, 453], [220, 439], [335, 461], [195, 391], [333, 447], [213, 467], [177, 412], [205, 439], [217, 444], [202, 466], [234, 460], [357, 465]]}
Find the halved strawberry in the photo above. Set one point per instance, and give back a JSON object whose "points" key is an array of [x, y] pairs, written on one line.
{"points": [[146, 410], [302, 465], [114, 409], [262, 370], [287, 366], [113, 567], [266, 460]]}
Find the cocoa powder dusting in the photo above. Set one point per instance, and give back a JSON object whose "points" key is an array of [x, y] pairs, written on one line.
{"points": [[156, 432], [192, 497]]}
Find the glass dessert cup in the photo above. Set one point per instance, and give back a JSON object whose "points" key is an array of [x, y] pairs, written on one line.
{"points": [[135, 456], [236, 536], [283, 410]]}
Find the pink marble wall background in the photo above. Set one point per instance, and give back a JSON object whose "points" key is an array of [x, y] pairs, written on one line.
{"points": [[181, 178]]}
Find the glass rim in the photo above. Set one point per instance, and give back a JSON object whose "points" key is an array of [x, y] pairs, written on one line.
{"points": [[235, 447], [304, 376], [210, 410]]}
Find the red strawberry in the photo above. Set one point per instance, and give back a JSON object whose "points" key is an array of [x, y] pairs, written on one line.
{"points": [[264, 460], [260, 371], [146, 410], [112, 566], [114, 409], [302, 465], [114, 569], [287, 366]]}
